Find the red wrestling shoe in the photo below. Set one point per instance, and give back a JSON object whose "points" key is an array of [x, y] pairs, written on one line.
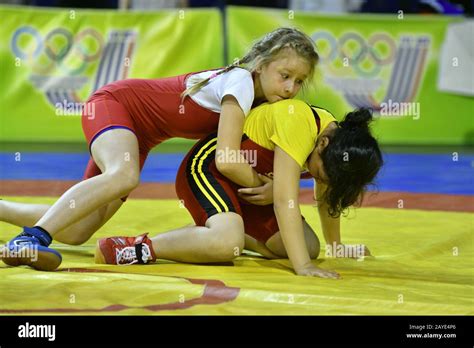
{"points": [[125, 250]]}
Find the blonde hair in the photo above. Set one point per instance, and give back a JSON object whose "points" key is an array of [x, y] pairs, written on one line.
{"points": [[265, 51]]}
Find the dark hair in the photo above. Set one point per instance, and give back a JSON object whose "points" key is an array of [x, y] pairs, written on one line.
{"points": [[351, 160]]}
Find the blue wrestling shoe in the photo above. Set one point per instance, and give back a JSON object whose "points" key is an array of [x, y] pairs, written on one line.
{"points": [[31, 248]]}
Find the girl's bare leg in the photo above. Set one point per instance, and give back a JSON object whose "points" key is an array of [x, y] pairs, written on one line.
{"points": [[275, 243], [254, 245], [116, 153], [25, 214], [222, 239]]}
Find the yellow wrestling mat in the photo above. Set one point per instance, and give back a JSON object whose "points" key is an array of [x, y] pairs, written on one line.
{"points": [[423, 265]]}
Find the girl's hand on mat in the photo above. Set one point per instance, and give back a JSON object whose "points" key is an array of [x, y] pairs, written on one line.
{"points": [[313, 271], [262, 195]]}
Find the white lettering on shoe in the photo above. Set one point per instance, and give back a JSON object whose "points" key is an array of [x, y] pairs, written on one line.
{"points": [[127, 255], [146, 253]]}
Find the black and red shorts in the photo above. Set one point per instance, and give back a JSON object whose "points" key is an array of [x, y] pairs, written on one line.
{"points": [[206, 192]]}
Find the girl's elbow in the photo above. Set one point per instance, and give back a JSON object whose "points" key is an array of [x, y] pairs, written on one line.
{"points": [[224, 167]]}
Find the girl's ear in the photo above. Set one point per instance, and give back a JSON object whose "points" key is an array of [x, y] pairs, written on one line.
{"points": [[259, 65], [322, 143]]}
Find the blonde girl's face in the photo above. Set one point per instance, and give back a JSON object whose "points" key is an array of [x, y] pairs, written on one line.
{"points": [[283, 77]]}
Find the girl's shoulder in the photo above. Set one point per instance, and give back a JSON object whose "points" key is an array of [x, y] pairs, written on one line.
{"points": [[237, 74]]}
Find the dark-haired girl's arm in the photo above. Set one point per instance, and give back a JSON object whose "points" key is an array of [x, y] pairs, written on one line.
{"points": [[286, 178], [332, 230], [331, 226], [229, 161]]}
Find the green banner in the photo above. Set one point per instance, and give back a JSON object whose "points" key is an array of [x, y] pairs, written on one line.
{"points": [[388, 63], [52, 60]]}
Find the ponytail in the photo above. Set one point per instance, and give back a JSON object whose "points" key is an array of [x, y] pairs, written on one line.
{"points": [[357, 120]]}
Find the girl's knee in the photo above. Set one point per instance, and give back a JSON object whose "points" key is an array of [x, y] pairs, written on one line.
{"points": [[227, 244], [276, 246], [229, 236], [312, 241], [123, 180], [314, 251]]}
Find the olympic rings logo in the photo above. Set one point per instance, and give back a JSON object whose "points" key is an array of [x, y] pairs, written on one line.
{"points": [[366, 57], [58, 49]]}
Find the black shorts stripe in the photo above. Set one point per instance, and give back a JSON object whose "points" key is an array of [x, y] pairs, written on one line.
{"points": [[211, 202]]}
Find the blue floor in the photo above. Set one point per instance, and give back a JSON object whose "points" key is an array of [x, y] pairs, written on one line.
{"points": [[423, 173]]}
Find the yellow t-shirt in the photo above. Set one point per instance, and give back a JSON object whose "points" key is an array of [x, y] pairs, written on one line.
{"points": [[290, 124]]}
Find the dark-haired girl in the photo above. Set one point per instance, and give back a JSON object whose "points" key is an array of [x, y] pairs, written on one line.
{"points": [[288, 138]]}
